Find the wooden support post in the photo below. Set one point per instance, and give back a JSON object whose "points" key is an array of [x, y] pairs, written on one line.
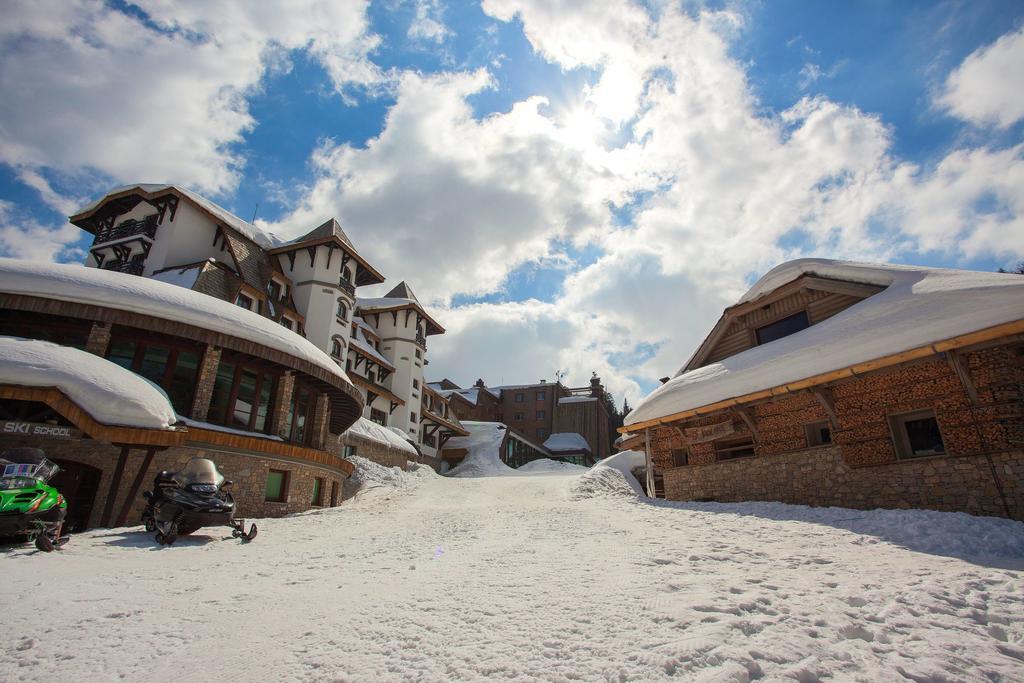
{"points": [[824, 398], [122, 517], [115, 484], [651, 493], [956, 362], [749, 421]]}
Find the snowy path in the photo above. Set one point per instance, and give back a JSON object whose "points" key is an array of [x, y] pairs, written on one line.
{"points": [[509, 578]]}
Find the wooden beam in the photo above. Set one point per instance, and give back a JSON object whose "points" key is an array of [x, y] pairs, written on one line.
{"points": [[650, 464], [824, 397], [749, 420], [122, 517], [959, 366], [115, 483]]}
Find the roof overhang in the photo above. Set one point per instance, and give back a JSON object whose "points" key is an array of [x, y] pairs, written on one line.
{"points": [[365, 275]]}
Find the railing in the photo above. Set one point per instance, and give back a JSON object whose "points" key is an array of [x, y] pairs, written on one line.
{"points": [[421, 339], [130, 228], [347, 287], [133, 266]]}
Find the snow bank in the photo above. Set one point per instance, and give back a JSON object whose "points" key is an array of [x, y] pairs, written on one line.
{"points": [[547, 465], [109, 289], [484, 446], [383, 435], [108, 392], [919, 306], [953, 534], [566, 441], [369, 474], [613, 476]]}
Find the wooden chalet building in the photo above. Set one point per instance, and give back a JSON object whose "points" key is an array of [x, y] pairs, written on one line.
{"points": [[854, 385]]}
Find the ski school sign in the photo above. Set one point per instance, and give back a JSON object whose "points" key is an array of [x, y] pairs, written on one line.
{"points": [[709, 432], [40, 429]]}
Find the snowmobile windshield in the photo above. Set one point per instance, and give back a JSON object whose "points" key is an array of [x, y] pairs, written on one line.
{"points": [[8, 483], [199, 471], [27, 462]]}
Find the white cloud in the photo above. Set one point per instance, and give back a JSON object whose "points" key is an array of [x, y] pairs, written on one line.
{"points": [[988, 88], [24, 237], [87, 86], [428, 22]]}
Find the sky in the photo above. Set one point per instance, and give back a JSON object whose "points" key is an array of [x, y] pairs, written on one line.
{"points": [[570, 186]]}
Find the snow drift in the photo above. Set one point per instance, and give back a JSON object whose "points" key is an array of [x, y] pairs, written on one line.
{"points": [[484, 446], [108, 392], [612, 476]]}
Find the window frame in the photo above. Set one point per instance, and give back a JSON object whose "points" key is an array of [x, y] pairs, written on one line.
{"points": [[685, 457], [383, 415], [341, 311], [174, 347], [813, 435], [318, 492], [541, 395], [262, 371], [242, 295], [725, 448], [901, 439], [759, 328]]}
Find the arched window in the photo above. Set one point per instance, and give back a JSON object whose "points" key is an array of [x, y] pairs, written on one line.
{"points": [[342, 310], [336, 348]]}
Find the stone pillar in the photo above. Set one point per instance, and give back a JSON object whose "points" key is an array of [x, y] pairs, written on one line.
{"points": [[282, 405], [204, 383], [99, 339], [320, 421]]}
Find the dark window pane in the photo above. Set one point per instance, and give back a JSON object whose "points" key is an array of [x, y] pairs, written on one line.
{"points": [[924, 436], [318, 484], [154, 364], [246, 398], [221, 393], [301, 409], [266, 395], [183, 381], [122, 352], [782, 328], [275, 486]]}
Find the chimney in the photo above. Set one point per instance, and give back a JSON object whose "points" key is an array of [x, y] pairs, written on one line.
{"points": [[596, 389], [543, 381], [479, 383]]}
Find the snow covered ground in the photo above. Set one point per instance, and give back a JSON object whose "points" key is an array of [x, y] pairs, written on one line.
{"points": [[422, 577]]}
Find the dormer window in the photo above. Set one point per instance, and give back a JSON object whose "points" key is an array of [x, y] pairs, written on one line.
{"points": [[782, 328]]}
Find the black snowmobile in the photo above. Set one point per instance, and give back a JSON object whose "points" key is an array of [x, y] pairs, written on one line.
{"points": [[28, 505], [183, 502]]}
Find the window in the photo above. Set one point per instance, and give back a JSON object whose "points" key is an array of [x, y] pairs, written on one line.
{"points": [[378, 416], [542, 395], [415, 384], [430, 440], [346, 276], [419, 354], [542, 432], [680, 457], [336, 348], [782, 328], [734, 448], [244, 301], [300, 415], [518, 417], [412, 418], [242, 396], [318, 491], [286, 323], [520, 398], [274, 289], [169, 364], [342, 310], [818, 434], [277, 486], [334, 494], [540, 414], [348, 451], [917, 434]]}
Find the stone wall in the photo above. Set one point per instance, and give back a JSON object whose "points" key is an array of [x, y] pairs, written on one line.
{"points": [[862, 469], [821, 476], [247, 472]]}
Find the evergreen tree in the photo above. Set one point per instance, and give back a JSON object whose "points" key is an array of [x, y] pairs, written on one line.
{"points": [[1018, 269]]}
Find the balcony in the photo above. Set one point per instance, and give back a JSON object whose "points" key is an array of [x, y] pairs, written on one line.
{"points": [[347, 287], [130, 228], [421, 339], [133, 266]]}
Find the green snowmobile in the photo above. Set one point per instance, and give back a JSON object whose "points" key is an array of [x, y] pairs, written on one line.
{"points": [[28, 506]]}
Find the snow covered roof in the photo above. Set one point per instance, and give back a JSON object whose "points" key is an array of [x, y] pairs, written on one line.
{"points": [[390, 303], [562, 442], [362, 344], [919, 307], [108, 392], [152, 190], [147, 296], [330, 230], [576, 399], [383, 435]]}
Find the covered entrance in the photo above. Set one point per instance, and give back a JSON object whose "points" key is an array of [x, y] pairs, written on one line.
{"points": [[79, 483]]}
